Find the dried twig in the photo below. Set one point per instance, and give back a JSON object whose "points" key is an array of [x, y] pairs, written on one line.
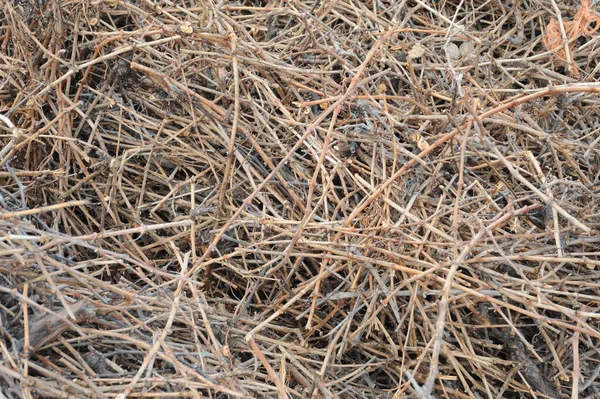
{"points": [[297, 199]]}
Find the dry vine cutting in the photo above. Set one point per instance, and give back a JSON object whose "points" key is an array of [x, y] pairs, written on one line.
{"points": [[299, 199]]}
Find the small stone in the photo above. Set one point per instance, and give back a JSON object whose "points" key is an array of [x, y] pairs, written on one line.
{"points": [[453, 51], [466, 49]]}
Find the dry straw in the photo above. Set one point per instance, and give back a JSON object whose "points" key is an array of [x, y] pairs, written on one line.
{"points": [[299, 199]]}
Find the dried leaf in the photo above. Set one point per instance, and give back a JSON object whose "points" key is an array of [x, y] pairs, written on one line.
{"points": [[416, 51], [186, 27], [422, 144]]}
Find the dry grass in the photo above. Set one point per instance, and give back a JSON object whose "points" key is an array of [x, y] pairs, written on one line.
{"points": [[299, 199]]}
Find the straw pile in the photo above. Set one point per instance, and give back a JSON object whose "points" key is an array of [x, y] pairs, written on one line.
{"points": [[299, 199]]}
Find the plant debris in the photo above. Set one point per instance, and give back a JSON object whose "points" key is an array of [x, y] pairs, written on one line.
{"points": [[299, 199]]}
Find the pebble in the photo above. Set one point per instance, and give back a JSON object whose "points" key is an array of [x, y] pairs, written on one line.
{"points": [[466, 49], [453, 51]]}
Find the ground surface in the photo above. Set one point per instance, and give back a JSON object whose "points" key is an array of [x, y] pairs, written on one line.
{"points": [[299, 199]]}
